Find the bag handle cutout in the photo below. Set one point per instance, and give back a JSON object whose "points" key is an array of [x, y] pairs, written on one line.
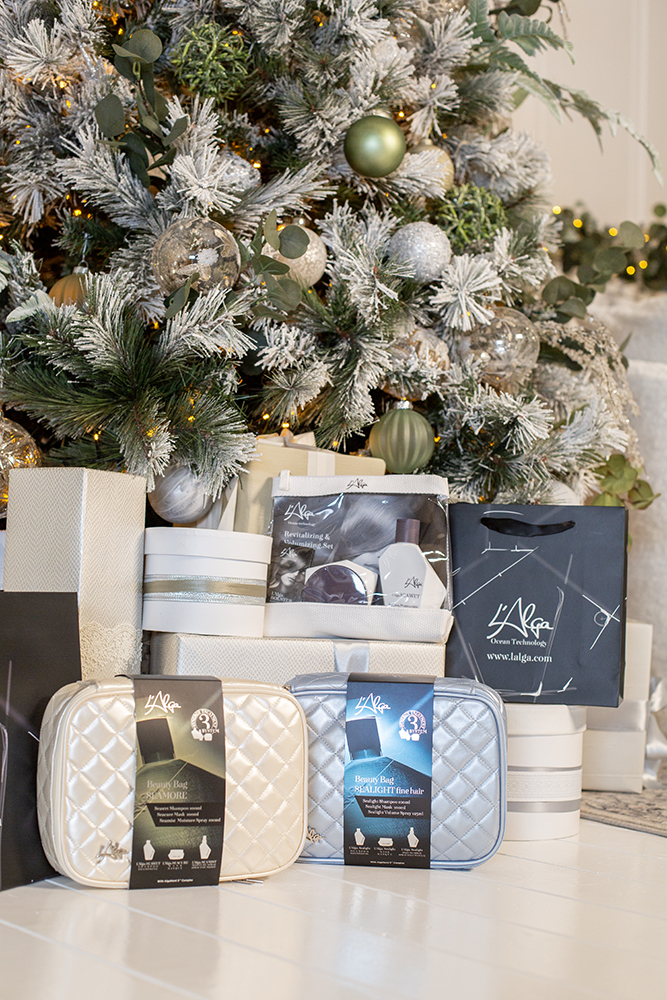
{"points": [[523, 529]]}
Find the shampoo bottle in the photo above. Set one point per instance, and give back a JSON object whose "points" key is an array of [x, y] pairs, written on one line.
{"points": [[407, 579]]}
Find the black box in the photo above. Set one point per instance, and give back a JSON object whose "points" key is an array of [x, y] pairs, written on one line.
{"points": [[539, 601], [39, 653]]}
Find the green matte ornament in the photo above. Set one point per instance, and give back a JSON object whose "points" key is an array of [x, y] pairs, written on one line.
{"points": [[374, 146], [403, 438]]}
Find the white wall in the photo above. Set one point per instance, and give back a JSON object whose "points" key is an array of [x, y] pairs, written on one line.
{"points": [[620, 48]]}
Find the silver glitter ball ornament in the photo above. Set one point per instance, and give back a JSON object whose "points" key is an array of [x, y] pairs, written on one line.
{"points": [[508, 348], [200, 245], [178, 496], [309, 268], [17, 451], [424, 246]]}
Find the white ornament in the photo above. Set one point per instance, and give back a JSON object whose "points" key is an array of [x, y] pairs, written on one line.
{"points": [[424, 246], [309, 268], [178, 496], [561, 493], [443, 159]]}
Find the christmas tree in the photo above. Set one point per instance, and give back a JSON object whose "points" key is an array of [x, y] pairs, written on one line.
{"points": [[223, 218]]}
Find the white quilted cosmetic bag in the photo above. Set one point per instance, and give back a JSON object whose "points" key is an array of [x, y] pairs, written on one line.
{"points": [[87, 771]]}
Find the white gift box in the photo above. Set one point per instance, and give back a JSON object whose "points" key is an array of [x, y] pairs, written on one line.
{"points": [[544, 758], [276, 661], [82, 530], [615, 738], [205, 582]]}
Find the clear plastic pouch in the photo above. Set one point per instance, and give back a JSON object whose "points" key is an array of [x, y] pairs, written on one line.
{"points": [[360, 558]]}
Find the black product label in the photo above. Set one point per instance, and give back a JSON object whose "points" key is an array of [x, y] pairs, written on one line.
{"points": [[179, 800], [388, 766]]}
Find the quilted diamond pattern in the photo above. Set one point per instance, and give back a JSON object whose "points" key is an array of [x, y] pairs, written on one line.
{"points": [[468, 777], [87, 772]]}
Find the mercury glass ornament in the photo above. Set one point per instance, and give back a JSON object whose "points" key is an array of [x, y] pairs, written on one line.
{"points": [[374, 146], [445, 162], [17, 451], [508, 348], [178, 496], [200, 245], [238, 175], [414, 343], [424, 246], [310, 266]]}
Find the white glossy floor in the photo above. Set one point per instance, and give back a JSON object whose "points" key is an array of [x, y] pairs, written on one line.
{"points": [[584, 917]]}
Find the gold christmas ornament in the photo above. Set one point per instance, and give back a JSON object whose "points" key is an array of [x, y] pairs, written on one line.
{"points": [[310, 266], [70, 290], [196, 245], [17, 451], [414, 344], [403, 438], [445, 162], [508, 348]]}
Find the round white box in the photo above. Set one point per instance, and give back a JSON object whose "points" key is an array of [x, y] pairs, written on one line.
{"points": [[544, 765], [205, 582]]}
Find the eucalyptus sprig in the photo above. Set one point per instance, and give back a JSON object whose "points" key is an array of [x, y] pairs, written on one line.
{"points": [[291, 242], [571, 298], [620, 485], [147, 146]]}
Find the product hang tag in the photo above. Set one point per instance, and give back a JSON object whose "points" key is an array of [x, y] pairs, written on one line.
{"points": [[388, 767], [179, 802]]}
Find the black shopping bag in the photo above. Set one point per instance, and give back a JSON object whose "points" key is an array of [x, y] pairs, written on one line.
{"points": [[539, 601]]}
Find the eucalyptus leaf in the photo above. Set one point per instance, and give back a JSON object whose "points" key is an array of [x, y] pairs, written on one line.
{"points": [[630, 235], [558, 289], [148, 84], [143, 45], [273, 266], [110, 116], [526, 7], [587, 274], [294, 241], [585, 294], [125, 68], [271, 230], [164, 160], [620, 475], [139, 168], [180, 296], [133, 57], [286, 294], [573, 307], [257, 240], [641, 495], [263, 312], [610, 259], [136, 144], [161, 106], [180, 126], [606, 500]]}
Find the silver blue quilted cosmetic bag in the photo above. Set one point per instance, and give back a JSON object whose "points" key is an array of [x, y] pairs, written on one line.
{"points": [[464, 776]]}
